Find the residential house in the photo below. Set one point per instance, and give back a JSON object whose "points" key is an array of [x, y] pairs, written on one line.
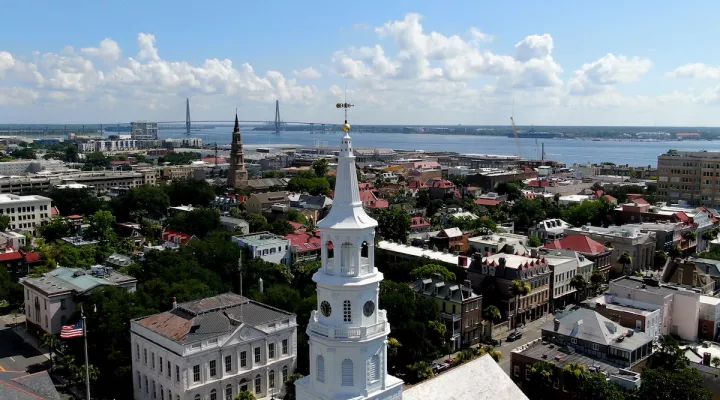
{"points": [[132, 231], [235, 224], [460, 309], [268, 246], [496, 242], [584, 337], [173, 239], [213, 348], [588, 248], [623, 239], [549, 230], [442, 189], [487, 180], [452, 239], [493, 274], [261, 202], [419, 224], [565, 264], [51, 299], [368, 197], [305, 246], [639, 317]]}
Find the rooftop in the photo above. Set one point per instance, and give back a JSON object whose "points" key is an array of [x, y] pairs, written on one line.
{"points": [[482, 379], [448, 258], [646, 285], [260, 238], [561, 356], [588, 325], [15, 385], [445, 289], [580, 243], [77, 280], [211, 317], [13, 198]]}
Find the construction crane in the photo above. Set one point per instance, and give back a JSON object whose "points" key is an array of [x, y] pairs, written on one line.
{"points": [[517, 140]]}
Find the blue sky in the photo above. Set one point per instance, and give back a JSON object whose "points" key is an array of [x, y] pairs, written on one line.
{"points": [[419, 62]]}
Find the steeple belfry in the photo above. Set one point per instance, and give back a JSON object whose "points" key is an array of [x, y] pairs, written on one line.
{"points": [[237, 174], [348, 333]]}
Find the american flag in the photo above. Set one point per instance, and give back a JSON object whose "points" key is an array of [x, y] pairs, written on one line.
{"points": [[71, 331]]}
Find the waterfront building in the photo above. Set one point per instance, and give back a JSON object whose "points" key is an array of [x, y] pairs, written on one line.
{"points": [[237, 174], [213, 348], [691, 176], [348, 332], [143, 130]]}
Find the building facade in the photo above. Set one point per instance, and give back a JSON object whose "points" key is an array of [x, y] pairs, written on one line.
{"points": [[213, 348], [268, 246], [348, 332], [26, 212], [623, 239], [143, 130]]}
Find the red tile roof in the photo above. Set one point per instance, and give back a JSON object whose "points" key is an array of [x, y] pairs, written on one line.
{"points": [[54, 211], [443, 184], [380, 203], [120, 162], [419, 222], [640, 201], [177, 237], [31, 257], [75, 216], [487, 202], [683, 217], [416, 185], [581, 243], [10, 256], [211, 160], [297, 226], [303, 242]]}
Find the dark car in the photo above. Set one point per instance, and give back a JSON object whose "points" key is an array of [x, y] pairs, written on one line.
{"points": [[514, 336]]}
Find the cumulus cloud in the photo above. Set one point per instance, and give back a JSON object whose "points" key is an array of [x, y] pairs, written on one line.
{"points": [[108, 50], [609, 70], [146, 43], [308, 73], [692, 70]]}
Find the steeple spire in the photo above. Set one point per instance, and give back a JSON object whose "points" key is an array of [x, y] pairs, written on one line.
{"points": [[237, 123]]}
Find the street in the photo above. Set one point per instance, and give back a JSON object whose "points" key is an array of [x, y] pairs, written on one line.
{"points": [[506, 347], [15, 353]]}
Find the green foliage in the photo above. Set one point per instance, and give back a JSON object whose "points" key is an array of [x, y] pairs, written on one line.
{"points": [[511, 189], [433, 207], [296, 216], [144, 201], [492, 313], [429, 270], [528, 212], [422, 199], [25, 153], [478, 225], [281, 227], [256, 222], [393, 223], [182, 158], [273, 174], [419, 372], [10, 291], [96, 160], [199, 222], [4, 222], [281, 296], [534, 240], [76, 201], [188, 191], [320, 166], [245, 395], [101, 227], [594, 212], [314, 186]]}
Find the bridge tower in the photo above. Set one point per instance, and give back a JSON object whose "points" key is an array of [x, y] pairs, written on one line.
{"points": [[187, 116], [278, 122]]}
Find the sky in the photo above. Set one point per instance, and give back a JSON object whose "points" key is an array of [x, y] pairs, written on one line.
{"points": [[562, 62]]}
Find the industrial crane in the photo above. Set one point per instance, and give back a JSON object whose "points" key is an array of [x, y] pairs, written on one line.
{"points": [[517, 140]]}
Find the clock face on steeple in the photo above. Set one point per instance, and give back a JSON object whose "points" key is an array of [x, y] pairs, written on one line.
{"points": [[369, 308], [325, 309]]}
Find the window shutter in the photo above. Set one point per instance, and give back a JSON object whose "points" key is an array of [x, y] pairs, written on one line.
{"points": [[347, 372], [320, 368]]}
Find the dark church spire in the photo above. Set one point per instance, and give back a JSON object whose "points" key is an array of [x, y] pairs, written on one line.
{"points": [[237, 123]]}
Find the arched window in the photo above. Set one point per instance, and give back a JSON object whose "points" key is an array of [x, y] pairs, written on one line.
{"points": [[213, 394], [346, 258], [329, 246], [364, 249], [347, 372], [162, 393], [374, 368], [347, 311], [228, 392], [258, 382], [197, 397], [271, 379], [154, 392], [243, 385], [320, 368], [284, 374], [139, 381]]}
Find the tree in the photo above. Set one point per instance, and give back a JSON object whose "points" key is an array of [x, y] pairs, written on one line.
{"points": [[493, 315], [422, 200], [26, 153], [518, 289], [52, 343], [663, 384], [256, 222], [313, 186], [186, 191], [245, 395], [55, 229], [540, 380], [420, 372], [511, 189], [281, 296], [78, 378], [143, 201], [199, 222], [394, 224], [575, 373], [534, 241], [320, 166], [578, 283], [10, 291], [76, 201], [669, 356], [427, 271], [674, 251], [660, 258], [4, 222], [273, 174], [690, 236], [281, 227], [625, 259], [101, 227], [433, 207], [296, 216]]}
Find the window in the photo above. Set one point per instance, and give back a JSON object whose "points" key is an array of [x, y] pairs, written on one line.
{"points": [[271, 379], [257, 354], [228, 363], [145, 356], [213, 394], [177, 373], [528, 370], [169, 371], [228, 392], [147, 387], [243, 359], [45, 305], [196, 373], [320, 369], [152, 360], [285, 346], [161, 365], [374, 368], [556, 383], [243, 385], [347, 311], [162, 393], [46, 321], [271, 350], [258, 381], [139, 381], [347, 372], [213, 369], [596, 346], [169, 394], [285, 374], [516, 370]]}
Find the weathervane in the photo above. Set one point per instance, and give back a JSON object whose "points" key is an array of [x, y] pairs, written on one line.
{"points": [[345, 105]]}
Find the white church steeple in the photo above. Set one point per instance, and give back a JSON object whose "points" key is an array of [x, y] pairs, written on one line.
{"points": [[348, 333]]}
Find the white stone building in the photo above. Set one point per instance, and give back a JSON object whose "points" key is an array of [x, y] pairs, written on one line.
{"points": [[25, 212], [213, 349], [348, 333], [266, 245]]}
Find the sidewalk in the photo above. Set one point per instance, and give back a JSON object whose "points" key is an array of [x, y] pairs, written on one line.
{"points": [[31, 340]]}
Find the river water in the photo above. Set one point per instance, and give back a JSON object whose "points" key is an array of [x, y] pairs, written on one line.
{"points": [[564, 150]]}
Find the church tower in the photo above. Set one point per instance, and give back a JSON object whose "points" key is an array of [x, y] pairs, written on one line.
{"points": [[237, 174], [348, 332]]}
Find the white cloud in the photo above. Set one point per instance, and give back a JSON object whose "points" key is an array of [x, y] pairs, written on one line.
{"points": [[108, 50], [609, 70], [146, 43], [479, 36], [308, 73], [695, 70]]}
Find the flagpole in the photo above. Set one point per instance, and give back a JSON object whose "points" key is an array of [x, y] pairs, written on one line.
{"points": [[87, 366]]}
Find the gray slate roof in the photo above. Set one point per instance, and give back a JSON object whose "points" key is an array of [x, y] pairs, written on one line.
{"points": [[23, 386], [585, 324], [211, 317], [446, 290]]}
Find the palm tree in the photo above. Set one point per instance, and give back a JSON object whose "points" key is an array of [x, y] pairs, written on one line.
{"points": [[493, 315], [541, 378], [674, 251], [660, 258], [245, 395], [625, 259], [576, 370], [715, 362], [517, 289], [578, 283], [52, 343], [495, 354], [596, 279]]}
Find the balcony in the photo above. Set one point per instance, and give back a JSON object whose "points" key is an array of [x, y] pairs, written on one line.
{"points": [[451, 317], [348, 270], [364, 332]]}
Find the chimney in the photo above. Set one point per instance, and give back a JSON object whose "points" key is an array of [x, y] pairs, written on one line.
{"points": [[556, 324], [174, 303], [462, 261], [533, 252], [706, 358], [466, 283]]}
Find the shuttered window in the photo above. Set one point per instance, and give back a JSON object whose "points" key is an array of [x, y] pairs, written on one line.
{"points": [[320, 366], [347, 372], [373, 372]]}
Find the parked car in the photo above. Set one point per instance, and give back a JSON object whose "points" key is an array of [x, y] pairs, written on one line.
{"points": [[515, 335]]}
